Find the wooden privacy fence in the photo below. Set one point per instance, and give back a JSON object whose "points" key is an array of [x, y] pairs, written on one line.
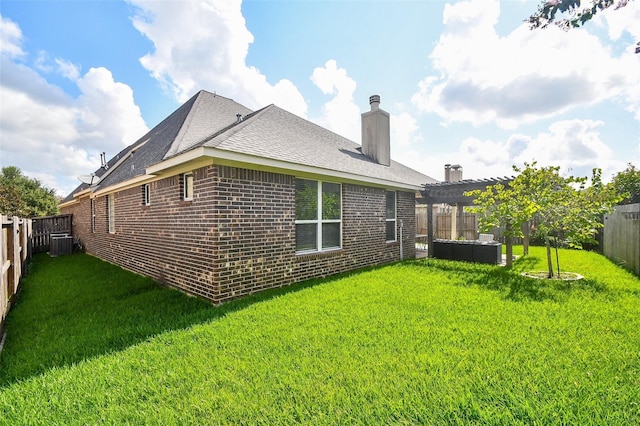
{"points": [[442, 225], [621, 236], [468, 229], [43, 227], [15, 243]]}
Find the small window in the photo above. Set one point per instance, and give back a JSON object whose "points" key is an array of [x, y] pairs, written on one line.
{"points": [[187, 186], [146, 194], [391, 215], [111, 214]]}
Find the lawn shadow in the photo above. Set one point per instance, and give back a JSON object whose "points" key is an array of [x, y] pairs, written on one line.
{"points": [[77, 307], [508, 281]]}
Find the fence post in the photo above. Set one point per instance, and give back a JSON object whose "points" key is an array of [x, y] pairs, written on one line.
{"points": [[4, 264], [24, 238], [13, 247]]}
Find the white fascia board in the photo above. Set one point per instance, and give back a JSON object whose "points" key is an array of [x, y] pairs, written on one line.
{"points": [[69, 203], [178, 161], [123, 185], [76, 197], [231, 158]]}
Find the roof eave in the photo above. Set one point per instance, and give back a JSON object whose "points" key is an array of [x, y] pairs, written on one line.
{"points": [[124, 185], [208, 155]]}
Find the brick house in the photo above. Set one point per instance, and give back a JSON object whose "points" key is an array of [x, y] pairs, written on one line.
{"points": [[221, 201]]}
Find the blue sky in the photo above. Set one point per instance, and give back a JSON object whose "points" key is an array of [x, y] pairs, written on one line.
{"points": [[465, 82]]}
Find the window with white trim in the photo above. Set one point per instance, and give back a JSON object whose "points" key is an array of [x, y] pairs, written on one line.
{"points": [[187, 186], [111, 213], [318, 215], [146, 194], [391, 215]]}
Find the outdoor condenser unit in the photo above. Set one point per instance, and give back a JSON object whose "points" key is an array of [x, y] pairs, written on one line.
{"points": [[60, 244]]}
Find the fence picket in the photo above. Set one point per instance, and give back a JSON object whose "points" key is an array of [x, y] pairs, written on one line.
{"points": [[14, 253]]}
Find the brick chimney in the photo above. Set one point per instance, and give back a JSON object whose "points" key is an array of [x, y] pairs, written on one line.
{"points": [[452, 173], [376, 137]]}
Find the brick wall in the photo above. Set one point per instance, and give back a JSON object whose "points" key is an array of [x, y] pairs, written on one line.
{"points": [[255, 212], [407, 213], [237, 235]]}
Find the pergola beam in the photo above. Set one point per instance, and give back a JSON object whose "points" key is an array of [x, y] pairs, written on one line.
{"points": [[452, 193]]}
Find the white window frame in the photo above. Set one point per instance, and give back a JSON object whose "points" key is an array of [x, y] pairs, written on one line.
{"points": [[146, 194], [395, 216], [111, 213], [319, 221], [187, 193]]}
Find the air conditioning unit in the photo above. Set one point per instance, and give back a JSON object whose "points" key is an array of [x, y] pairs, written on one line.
{"points": [[60, 245]]}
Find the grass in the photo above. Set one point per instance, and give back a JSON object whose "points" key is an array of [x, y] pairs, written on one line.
{"points": [[418, 342]]}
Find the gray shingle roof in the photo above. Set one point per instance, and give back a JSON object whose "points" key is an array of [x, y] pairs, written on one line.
{"points": [[209, 120], [202, 115], [280, 135]]}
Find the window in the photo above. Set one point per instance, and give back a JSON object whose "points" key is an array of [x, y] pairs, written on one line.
{"points": [[187, 186], [318, 215], [391, 215], [146, 194], [111, 213]]}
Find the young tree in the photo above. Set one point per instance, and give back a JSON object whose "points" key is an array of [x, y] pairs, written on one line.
{"points": [[23, 196], [502, 206], [560, 205]]}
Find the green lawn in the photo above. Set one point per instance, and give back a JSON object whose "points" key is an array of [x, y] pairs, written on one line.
{"points": [[418, 342]]}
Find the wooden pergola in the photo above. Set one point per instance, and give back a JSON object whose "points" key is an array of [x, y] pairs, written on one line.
{"points": [[452, 193]]}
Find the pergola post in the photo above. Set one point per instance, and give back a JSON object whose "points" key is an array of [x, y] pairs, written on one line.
{"points": [[454, 221], [430, 230], [460, 208]]}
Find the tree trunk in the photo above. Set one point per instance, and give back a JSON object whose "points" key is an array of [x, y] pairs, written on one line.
{"points": [[526, 230], [547, 243], [557, 256], [508, 240]]}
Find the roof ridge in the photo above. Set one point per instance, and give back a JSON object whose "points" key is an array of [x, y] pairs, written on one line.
{"points": [[317, 125], [184, 128], [239, 124], [214, 93]]}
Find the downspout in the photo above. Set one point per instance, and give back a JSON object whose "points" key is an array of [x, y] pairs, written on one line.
{"points": [[401, 227]]}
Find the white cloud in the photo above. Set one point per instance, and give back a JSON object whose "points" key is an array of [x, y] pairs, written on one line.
{"points": [[210, 55], [42, 128], [523, 77], [574, 145], [45, 64], [571, 144], [340, 114], [68, 69], [109, 115], [10, 38], [623, 20], [404, 131]]}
